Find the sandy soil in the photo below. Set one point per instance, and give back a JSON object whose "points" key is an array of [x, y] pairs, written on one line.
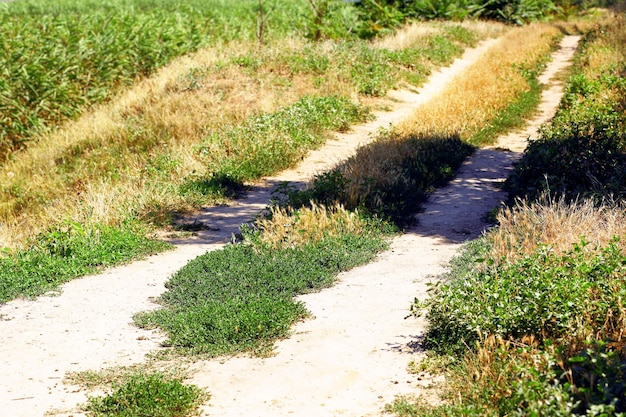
{"points": [[349, 359]]}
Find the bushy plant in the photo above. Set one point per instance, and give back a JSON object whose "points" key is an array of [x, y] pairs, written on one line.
{"points": [[548, 328], [389, 178], [150, 395], [551, 296]]}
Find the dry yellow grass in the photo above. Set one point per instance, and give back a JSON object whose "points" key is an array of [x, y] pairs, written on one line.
{"points": [[417, 31], [96, 167], [488, 87], [463, 108], [286, 228], [557, 224]]}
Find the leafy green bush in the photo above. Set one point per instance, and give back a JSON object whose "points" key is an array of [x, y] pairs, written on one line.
{"points": [[148, 396], [547, 295], [240, 298], [70, 250], [516, 12], [540, 336]]}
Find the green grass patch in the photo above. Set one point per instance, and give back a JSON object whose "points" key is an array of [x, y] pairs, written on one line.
{"points": [[241, 298], [267, 143], [151, 395], [540, 336], [68, 251]]}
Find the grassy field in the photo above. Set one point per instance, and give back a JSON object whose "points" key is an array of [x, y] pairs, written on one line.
{"points": [[185, 136], [220, 303], [107, 133], [59, 58]]}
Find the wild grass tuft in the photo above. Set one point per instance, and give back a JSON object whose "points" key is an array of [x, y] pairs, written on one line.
{"points": [[555, 223], [287, 228], [478, 98], [388, 178]]}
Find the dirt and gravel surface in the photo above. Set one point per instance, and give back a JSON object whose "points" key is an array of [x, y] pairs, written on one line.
{"points": [[349, 359]]}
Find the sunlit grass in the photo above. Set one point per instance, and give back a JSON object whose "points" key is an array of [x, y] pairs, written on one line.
{"points": [[490, 85]]}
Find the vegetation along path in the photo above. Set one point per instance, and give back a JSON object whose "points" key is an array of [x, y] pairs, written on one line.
{"points": [[350, 359]]}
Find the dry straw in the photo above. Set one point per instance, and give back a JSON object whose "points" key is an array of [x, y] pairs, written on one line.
{"points": [[557, 224], [286, 228], [474, 98]]}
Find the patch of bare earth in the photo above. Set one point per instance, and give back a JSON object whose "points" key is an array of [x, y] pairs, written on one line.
{"points": [[349, 359]]}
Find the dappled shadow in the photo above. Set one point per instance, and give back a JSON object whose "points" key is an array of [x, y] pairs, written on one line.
{"points": [[410, 344], [455, 213], [220, 224], [459, 211]]}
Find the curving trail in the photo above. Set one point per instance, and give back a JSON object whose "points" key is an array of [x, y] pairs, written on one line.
{"points": [[349, 360]]}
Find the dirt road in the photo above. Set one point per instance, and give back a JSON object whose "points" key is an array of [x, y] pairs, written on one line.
{"points": [[349, 360]]}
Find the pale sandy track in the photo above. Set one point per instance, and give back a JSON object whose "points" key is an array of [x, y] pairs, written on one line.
{"points": [[349, 360]]}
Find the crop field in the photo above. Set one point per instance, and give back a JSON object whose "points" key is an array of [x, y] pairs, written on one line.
{"points": [[58, 58]]}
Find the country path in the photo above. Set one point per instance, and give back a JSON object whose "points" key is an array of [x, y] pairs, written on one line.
{"points": [[349, 360]]}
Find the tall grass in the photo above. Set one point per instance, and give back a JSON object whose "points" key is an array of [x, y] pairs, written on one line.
{"points": [[59, 58], [533, 313]]}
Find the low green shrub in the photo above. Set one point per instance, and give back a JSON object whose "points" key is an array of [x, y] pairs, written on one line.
{"points": [[240, 298], [548, 328], [70, 250], [547, 295], [148, 396]]}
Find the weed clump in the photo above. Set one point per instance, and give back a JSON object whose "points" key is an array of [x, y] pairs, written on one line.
{"points": [[151, 395], [388, 179], [69, 250]]}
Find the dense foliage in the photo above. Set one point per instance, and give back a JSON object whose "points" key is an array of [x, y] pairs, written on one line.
{"points": [[543, 333], [583, 151], [57, 58]]}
